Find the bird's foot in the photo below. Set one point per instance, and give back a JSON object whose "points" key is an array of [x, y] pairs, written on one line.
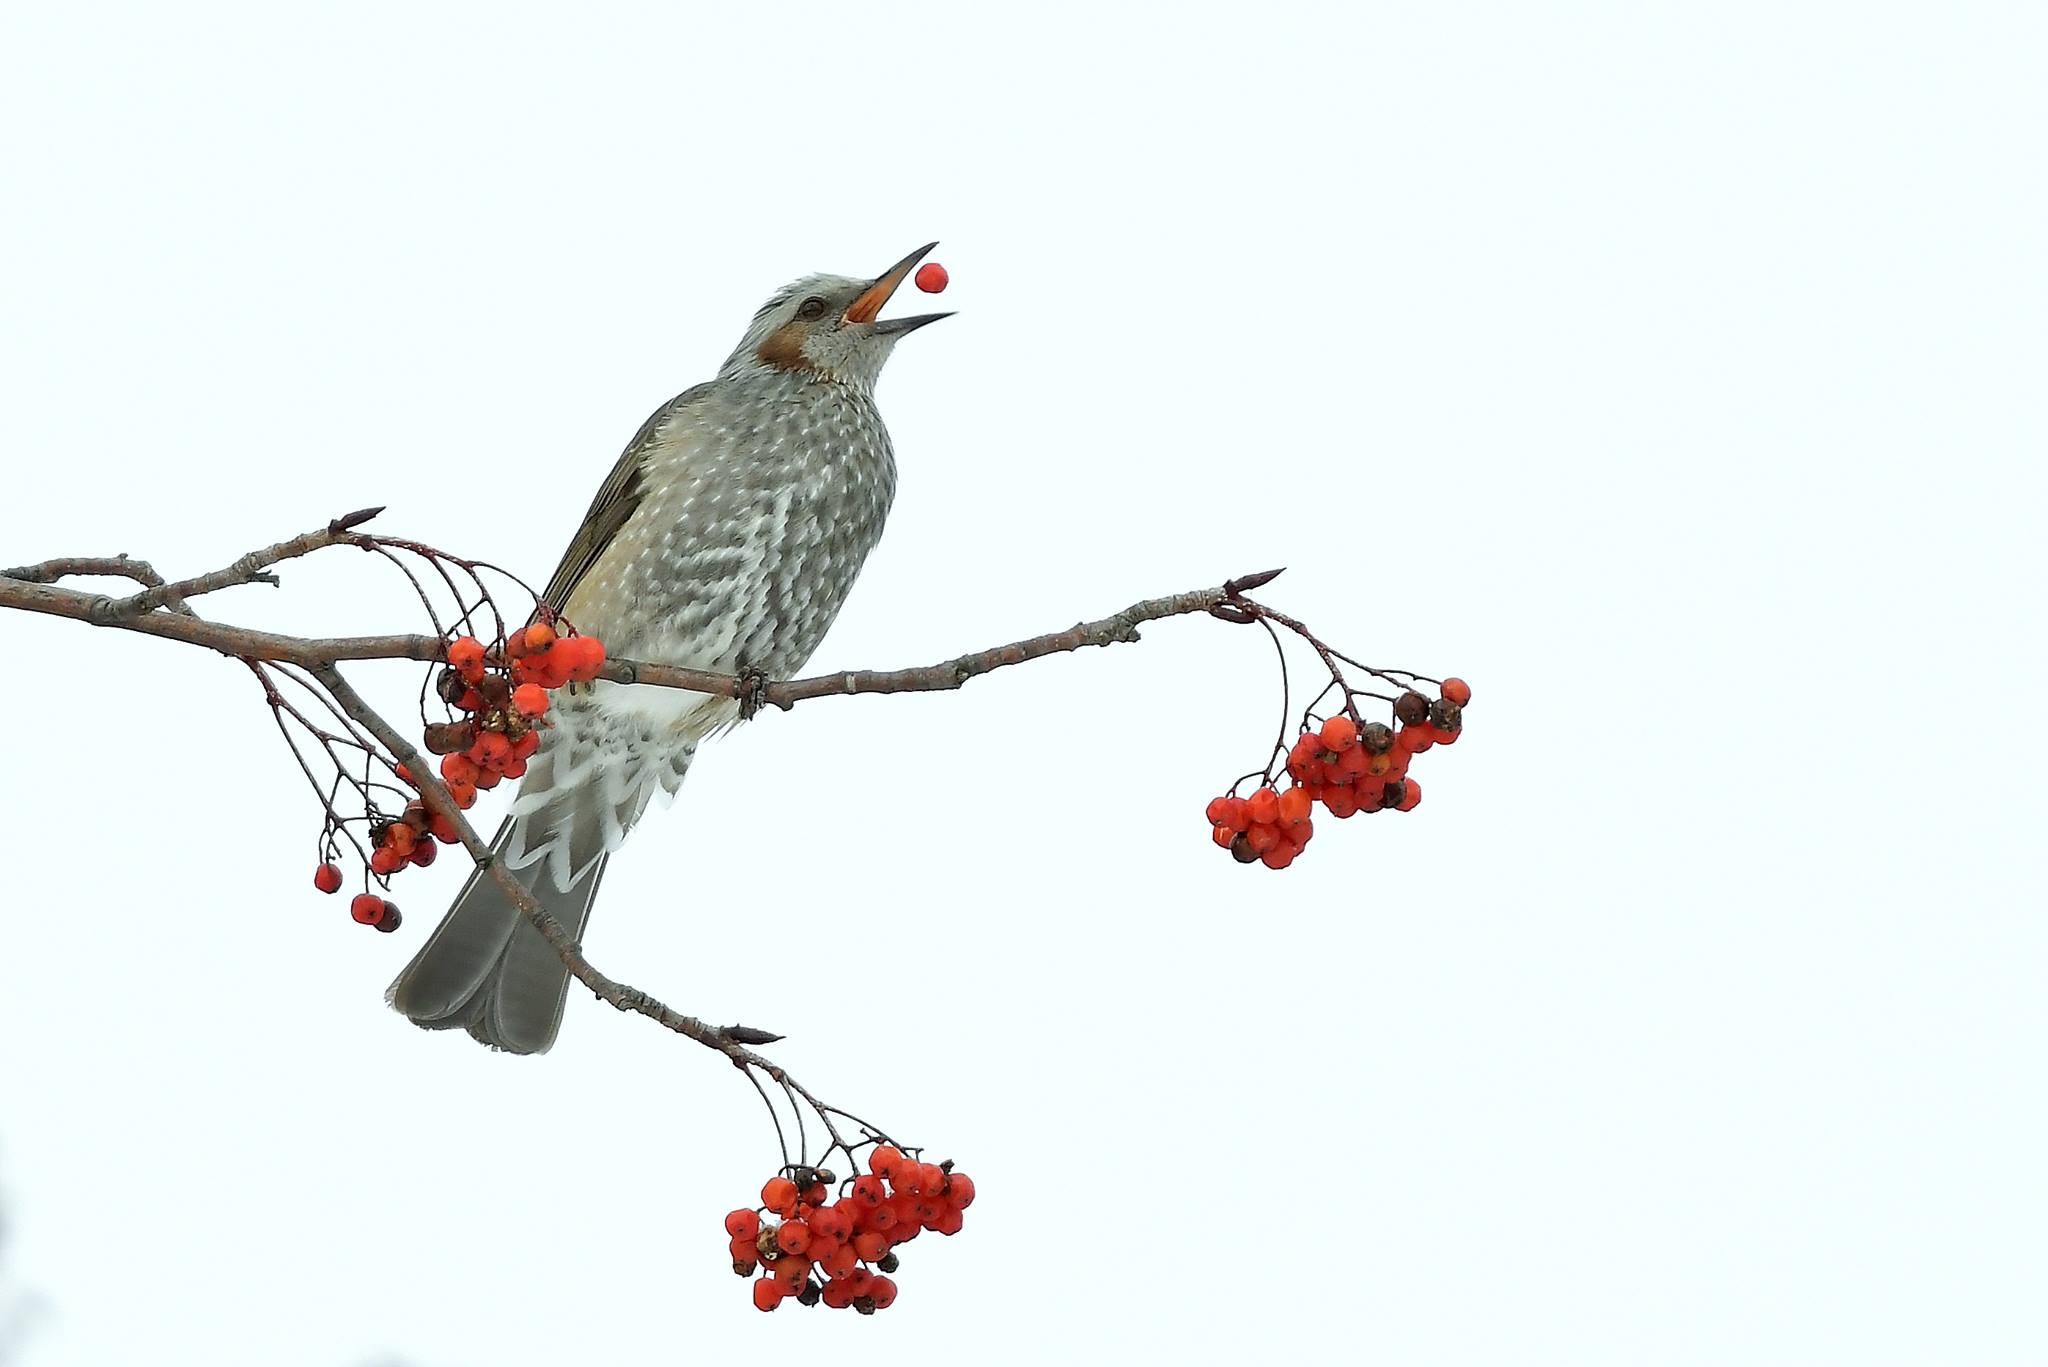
{"points": [[753, 694]]}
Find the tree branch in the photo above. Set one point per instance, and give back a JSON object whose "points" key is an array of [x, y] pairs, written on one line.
{"points": [[27, 589]]}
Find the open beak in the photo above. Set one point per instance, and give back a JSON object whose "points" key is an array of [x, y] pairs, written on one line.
{"points": [[864, 309]]}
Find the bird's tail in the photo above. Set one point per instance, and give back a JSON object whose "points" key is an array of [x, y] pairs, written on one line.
{"points": [[487, 970]]}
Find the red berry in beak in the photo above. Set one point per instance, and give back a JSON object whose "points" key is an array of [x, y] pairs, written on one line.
{"points": [[931, 277]]}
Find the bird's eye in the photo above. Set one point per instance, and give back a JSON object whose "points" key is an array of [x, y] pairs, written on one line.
{"points": [[812, 307]]}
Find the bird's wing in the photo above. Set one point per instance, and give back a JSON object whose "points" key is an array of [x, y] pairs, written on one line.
{"points": [[616, 499]]}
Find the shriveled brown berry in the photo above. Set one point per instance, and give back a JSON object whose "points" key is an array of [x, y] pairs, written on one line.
{"points": [[1241, 850], [496, 690], [1376, 737], [1412, 708], [391, 920], [1446, 715], [450, 737]]}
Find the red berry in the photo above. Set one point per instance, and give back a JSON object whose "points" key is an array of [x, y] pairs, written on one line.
{"points": [[768, 1293], [1220, 833], [529, 700], [368, 908], [1458, 691], [1263, 807], [743, 1224], [385, 861], [466, 656], [1340, 733], [884, 1158], [882, 1292], [931, 277], [779, 1195], [960, 1190], [1217, 811], [1411, 795], [1294, 806], [327, 878], [793, 1237], [582, 656]]}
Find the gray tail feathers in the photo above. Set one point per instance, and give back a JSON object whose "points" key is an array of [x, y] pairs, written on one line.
{"points": [[487, 970]]}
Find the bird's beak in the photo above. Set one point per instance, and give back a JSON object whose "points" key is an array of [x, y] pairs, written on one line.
{"points": [[864, 309]]}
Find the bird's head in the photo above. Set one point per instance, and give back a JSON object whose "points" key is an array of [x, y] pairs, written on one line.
{"points": [[825, 327]]}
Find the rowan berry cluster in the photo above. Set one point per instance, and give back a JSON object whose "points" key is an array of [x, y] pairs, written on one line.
{"points": [[1348, 768], [506, 703], [839, 1252]]}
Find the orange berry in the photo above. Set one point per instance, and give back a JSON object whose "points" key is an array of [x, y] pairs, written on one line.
{"points": [[1415, 738], [458, 769], [960, 1190], [399, 837], [1458, 691], [524, 747], [1340, 733], [464, 796], [793, 1237], [385, 861], [1239, 817], [743, 1224], [1279, 857], [529, 700], [539, 637], [1216, 809], [779, 1195], [1263, 838], [792, 1270], [882, 1292], [1263, 807], [466, 653], [846, 1257], [582, 656], [1220, 833], [870, 1245], [367, 908], [1294, 806], [492, 751], [768, 1293], [867, 1191], [1411, 795], [884, 1158]]}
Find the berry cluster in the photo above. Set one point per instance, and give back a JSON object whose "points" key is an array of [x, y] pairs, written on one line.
{"points": [[506, 703], [839, 1252], [1348, 768]]}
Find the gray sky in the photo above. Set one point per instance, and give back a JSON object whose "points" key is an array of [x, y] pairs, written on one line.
{"points": [[1671, 372]]}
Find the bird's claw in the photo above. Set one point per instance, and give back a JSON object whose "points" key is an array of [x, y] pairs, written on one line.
{"points": [[753, 693]]}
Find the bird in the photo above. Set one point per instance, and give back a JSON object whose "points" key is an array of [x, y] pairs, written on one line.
{"points": [[725, 538]]}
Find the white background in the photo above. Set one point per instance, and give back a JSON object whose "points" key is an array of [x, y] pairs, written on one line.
{"points": [[1672, 372]]}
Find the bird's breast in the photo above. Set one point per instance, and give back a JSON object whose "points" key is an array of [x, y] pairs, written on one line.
{"points": [[759, 514]]}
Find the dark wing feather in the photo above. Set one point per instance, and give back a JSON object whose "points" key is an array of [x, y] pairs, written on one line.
{"points": [[616, 499]]}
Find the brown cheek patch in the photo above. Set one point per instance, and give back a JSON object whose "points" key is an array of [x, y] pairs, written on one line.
{"points": [[784, 349]]}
